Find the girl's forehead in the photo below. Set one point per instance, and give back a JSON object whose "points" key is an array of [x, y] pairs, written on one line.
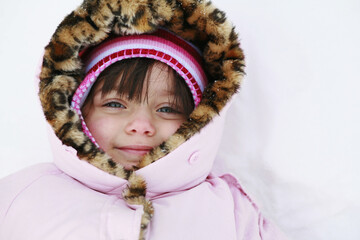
{"points": [[160, 73], [159, 78]]}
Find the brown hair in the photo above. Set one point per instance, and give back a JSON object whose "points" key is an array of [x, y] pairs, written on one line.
{"points": [[132, 75]]}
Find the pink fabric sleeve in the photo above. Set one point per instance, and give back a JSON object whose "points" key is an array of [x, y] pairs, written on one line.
{"points": [[251, 224]]}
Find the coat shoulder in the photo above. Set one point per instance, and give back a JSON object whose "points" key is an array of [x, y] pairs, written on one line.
{"points": [[249, 220], [13, 185]]}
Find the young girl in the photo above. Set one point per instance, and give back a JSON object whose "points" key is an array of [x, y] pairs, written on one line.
{"points": [[135, 105], [137, 113]]}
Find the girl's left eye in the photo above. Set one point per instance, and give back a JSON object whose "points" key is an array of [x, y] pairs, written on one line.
{"points": [[114, 105], [168, 110]]}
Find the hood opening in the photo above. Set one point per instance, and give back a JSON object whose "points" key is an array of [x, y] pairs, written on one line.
{"points": [[198, 22]]}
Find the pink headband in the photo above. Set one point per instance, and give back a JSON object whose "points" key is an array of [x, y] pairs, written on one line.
{"points": [[161, 45]]}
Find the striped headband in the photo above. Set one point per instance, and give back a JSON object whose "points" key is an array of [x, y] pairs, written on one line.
{"points": [[161, 45]]}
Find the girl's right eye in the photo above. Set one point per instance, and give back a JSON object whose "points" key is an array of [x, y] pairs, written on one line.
{"points": [[114, 105]]}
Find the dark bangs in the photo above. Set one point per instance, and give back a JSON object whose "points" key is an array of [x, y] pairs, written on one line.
{"points": [[129, 77]]}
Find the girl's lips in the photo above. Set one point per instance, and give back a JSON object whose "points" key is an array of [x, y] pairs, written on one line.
{"points": [[136, 149]]}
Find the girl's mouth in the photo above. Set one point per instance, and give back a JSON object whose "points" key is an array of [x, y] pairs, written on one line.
{"points": [[136, 149]]}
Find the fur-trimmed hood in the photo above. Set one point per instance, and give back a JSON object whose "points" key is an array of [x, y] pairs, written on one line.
{"points": [[199, 22]]}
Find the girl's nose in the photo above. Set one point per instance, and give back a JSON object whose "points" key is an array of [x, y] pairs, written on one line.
{"points": [[141, 123]]}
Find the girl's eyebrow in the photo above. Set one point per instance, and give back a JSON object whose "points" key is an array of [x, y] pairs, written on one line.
{"points": [[99, 90], [165, 93], [168, 90]]}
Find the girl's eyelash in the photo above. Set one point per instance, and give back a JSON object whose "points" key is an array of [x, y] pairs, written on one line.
{"points": [[168, 110], [114, 105]]}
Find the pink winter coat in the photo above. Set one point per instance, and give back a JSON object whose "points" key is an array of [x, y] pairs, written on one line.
{"points": [[71, 199]]}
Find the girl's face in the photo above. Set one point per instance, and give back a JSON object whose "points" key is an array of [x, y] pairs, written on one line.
{"points": [[127, 130]]}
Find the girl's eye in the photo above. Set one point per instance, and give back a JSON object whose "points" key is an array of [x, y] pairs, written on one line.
{"points": [[114, 105], [168, 110]]}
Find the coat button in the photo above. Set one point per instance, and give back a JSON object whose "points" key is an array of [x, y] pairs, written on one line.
{"points": [[194, 157]]}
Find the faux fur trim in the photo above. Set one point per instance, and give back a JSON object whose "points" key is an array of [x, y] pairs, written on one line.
{"points": [[62, 71]]}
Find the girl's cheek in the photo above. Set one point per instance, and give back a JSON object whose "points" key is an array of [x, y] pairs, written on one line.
{"points": [[170, 128], [101, 128]]}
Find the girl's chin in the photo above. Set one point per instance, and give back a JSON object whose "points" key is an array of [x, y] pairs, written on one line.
{"points": [[128, 165], [126, 162]]}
